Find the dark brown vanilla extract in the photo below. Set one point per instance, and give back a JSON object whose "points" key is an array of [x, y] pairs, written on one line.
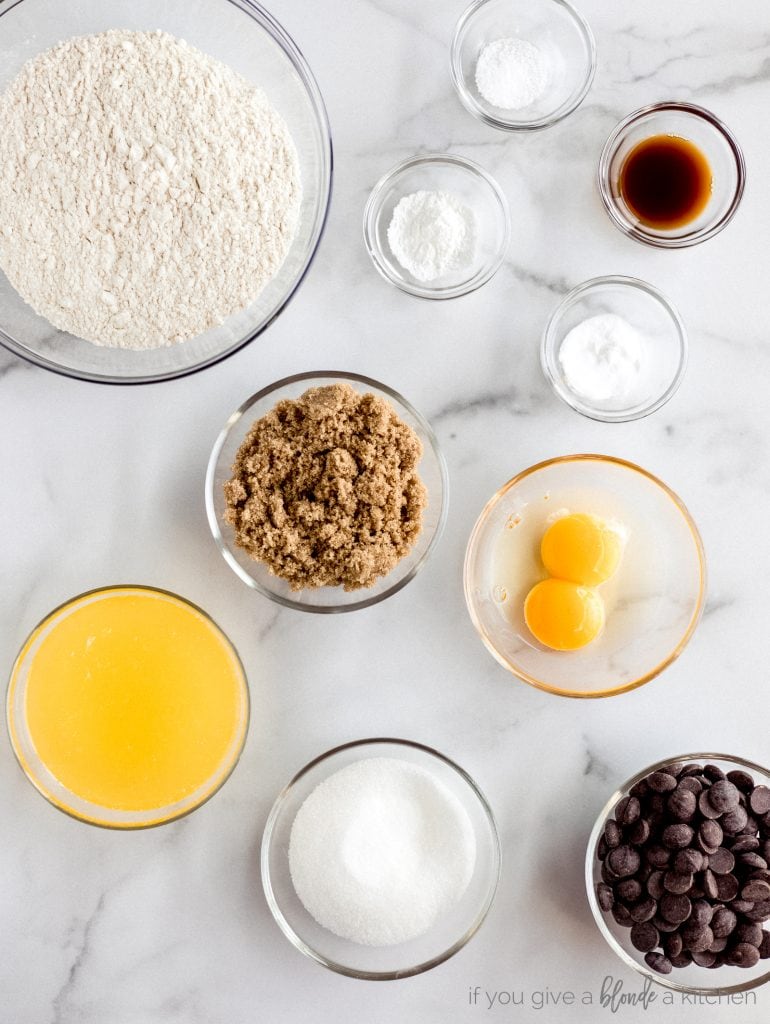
{"points": [[666, 182]]}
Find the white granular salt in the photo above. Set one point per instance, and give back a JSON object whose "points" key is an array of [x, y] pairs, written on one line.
{"points": [[147, 191], [432, 233], [380, 850], [511, 73], [603, 358]]}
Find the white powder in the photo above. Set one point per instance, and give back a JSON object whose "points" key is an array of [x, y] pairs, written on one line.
{"points": [[511, 73], [432, 233], [603, 358], [380, 850], [147, 191]]}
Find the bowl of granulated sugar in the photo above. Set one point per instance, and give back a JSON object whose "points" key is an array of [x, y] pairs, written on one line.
{"points": [[380, 859], [159, 220], [522, 65]]}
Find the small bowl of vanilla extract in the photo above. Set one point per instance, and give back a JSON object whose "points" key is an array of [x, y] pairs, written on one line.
{"points": [[671, 175]]}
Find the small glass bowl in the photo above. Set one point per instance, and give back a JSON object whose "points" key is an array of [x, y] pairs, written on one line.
{"points": [[245, 36], [480, 193], [561, 34], [710, 135], [693, 979], [649, 312], [449, 933], [655, 599], [49, 786], [432, 470]]}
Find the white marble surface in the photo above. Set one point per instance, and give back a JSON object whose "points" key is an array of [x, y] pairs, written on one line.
{"points": [[104, 485]]}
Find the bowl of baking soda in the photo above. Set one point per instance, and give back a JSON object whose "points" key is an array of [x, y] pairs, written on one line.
{"points": [[522, 65], [615, 349], [437, 226], [380, 859]]}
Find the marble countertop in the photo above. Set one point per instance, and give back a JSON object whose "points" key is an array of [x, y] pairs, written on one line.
{"points": [[103, 484]]}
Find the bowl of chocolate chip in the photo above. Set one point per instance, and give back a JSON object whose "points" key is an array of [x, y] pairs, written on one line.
{"points": [[678, 873]]}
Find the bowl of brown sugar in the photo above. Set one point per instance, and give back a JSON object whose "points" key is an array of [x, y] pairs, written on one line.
{"points": [[326, 492]]}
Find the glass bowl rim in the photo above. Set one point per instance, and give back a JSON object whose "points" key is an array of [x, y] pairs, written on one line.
{"points": [[480, 525], [639, 233], [266, 21], [373, 206], [10, 717], [240, 412], [309, 951], [593, 903], [469, 101], [549, 353]]}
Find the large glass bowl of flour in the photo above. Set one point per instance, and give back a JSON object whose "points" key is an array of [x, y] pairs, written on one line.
{"points": [[243, 36]]}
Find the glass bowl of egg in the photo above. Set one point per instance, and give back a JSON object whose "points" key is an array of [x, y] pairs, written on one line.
{"points": [[585, 576], [522, 65]]}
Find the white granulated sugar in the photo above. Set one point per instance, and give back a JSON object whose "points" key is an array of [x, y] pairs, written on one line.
{"points": [[380, 850], [603, 358], [147, 191], [432, 233], [511, 73]]}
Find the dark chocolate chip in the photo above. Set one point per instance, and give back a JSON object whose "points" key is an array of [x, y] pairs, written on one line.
{"points": [[628, 810], [727, 887], [689, 861], [742, 906], [741, 779], [718, 945], [694, 785], [759, 800], [663, 925], [675, 908], [675, 882], [721, 861], [655, 885], [753, 861], [677, 837], [639, 832], [645, 937], [759, 912], [705, 807], [723, 922], [756, 890], [661, 782], [628, 890], [658, 962], [702, 912], [624, 860], [742, 955], [697, 938], [682, 804], [644, 910], [672, 944], [708, 881], [613, 834], [682, 959], [658, 855], [605, 896], [749, 931], [710, 835], [734, 821], [724, 796], [712, 773], [621, 915], [745, 844]]}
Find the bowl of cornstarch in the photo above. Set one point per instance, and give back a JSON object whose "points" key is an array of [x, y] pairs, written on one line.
{"points": [[380, 859], [522, 65], [437, 226], [173, 194]]}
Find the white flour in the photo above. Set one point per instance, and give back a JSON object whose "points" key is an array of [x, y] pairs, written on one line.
{"points": [[147, 191], [432, 233], [511, 73]]}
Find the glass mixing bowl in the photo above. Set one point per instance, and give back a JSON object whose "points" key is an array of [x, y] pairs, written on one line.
{"points": [[692, 979], [449, 933], [432, 470], [561, 34], [654, 600], [243, 35]]}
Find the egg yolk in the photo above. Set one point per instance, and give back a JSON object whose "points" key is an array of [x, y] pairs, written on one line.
{"points": [[582, 549], [562, 615]]}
